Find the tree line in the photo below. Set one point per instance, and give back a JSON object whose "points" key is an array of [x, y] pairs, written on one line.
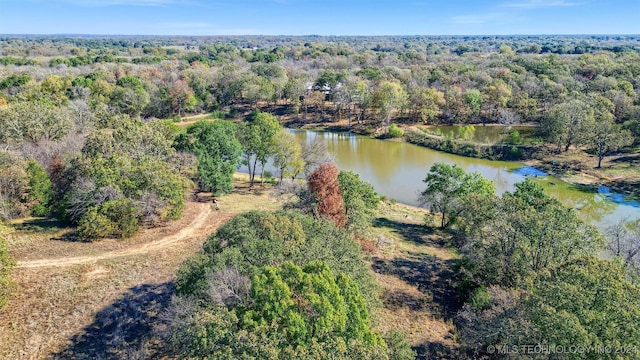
{"points": [[497, 82]]}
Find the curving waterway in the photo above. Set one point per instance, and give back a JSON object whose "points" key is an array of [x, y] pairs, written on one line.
{"points": [[396, 170]]}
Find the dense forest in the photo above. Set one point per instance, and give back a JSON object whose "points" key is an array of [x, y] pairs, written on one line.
{"points": [[111, 135]]}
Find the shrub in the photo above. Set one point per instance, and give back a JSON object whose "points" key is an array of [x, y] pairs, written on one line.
{"points": [[394, 131], [123, 214], [116, 218], [40, 195], [514, 138], [94, 225], [399, 347], [515, 153]]}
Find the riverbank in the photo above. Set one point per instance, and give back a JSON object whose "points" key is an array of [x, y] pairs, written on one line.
{"points": [[620, 173]]}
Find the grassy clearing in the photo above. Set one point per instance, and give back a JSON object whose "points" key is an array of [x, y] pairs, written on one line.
{"points": [[102, 307], [415, 269], [108, 307]]}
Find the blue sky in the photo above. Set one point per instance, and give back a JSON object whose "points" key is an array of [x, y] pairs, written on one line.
{"points": [[321, 17]]}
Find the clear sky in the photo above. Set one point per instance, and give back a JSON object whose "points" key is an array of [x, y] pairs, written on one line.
{"points": [[321, 17]]}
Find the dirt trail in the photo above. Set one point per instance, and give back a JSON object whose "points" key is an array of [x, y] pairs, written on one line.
{"points": [[198, 223]]}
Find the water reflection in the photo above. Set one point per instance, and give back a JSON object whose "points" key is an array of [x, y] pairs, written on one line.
{"points": [[397, 169]]}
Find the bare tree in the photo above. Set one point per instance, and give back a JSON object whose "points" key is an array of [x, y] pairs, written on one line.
{"points": [[315, 154], [623, 240], [229, 287]]}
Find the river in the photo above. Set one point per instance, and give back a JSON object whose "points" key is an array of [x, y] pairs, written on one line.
{"points": [[396, 170]]}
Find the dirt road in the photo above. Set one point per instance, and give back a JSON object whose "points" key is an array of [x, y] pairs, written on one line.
{"points": [[198, 223]]}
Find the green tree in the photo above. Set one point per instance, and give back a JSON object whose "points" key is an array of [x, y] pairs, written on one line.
{"points": [[497, 95], [130, 170], [289, 312], [389, 97], [427, 104], [218, 152], [360, 200], [568, 123], [473, 98], [586, 303], [258, 88], [309, 302], [287, 156], [55, 88], [255, 239], [523, 235], [257, 138], [40, 196], [130, 96], [530, 192], [447, 185], [605, 135]]}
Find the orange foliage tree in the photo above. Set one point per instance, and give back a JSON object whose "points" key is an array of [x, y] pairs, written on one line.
{"points": [[324, 185]]}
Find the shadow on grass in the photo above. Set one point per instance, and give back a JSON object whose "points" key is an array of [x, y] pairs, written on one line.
{"points": [[415, 233], [40, 225], [120, 330], [626, 158], [435, 350], [432, 276]]}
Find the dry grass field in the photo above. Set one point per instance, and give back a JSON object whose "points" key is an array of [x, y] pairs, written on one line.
{"points": [[66, 290], [77, 300]]}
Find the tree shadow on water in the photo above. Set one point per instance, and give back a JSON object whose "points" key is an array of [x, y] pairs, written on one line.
{"points": [[121, 329]]}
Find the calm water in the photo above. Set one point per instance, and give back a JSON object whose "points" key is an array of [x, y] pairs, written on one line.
{"points": [[396, 170], [485, 134]]}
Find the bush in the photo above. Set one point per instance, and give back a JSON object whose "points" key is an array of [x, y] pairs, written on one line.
{"points": [[514, 138], [123, 214], [40, 195], [94, 225], [218, 114], [116, 218], [480, 299], [399, 347], [515, 153], [394, 131]]}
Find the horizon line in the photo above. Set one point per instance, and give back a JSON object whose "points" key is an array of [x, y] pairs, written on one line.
{"points": [[317, 35]]}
